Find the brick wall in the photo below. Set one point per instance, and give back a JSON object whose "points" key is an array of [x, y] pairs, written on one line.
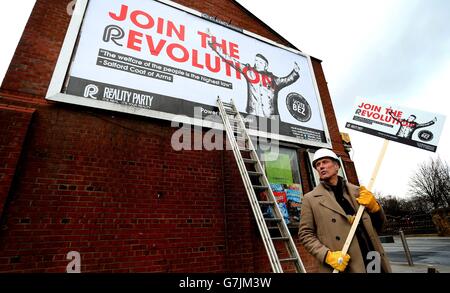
{"points": [[110, 186], [91, 182], [14, 122]]}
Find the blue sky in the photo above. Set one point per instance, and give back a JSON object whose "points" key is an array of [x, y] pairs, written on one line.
{"points": [[392, 50]]}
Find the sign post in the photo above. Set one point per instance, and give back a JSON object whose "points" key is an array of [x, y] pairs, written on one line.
{"points": [[360, 211], [383, 121]]}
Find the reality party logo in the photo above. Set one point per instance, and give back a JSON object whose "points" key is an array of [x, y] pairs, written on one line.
{"points": [[90, 91]]}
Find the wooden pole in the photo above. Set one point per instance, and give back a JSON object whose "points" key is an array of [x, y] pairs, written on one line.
{"points": [[358, 216], [378, 164]]}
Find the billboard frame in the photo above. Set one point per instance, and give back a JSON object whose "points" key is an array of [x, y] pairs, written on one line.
{"points": [[58, 81]]}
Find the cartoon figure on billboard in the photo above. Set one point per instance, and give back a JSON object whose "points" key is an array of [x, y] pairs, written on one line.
{"points": [[408, 126], [262, 85]]}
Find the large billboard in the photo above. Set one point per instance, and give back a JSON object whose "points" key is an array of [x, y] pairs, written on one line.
{"points": [[163, 60], [397, 123]]}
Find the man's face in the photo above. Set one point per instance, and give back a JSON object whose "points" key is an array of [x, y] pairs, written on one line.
{"points": [[260, 64], [327, 168], [411, 118]]}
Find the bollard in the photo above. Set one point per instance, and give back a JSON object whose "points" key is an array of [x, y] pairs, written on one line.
{"points": [[406, 248]]}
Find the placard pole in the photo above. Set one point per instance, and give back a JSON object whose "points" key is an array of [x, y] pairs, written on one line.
{"points": [[359, 214]]}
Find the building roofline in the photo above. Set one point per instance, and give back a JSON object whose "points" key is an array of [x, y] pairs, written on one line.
{"points": [[265, 25]]}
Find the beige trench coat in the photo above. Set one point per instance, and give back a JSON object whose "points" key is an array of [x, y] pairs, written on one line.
{"points": [[324, 226]]}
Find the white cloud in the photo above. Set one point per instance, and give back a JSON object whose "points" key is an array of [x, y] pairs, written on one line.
{"points": [[392, 50], [13, 18]]}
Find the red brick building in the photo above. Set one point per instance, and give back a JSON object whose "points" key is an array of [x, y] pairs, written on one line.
{"points": [[110, 186]]}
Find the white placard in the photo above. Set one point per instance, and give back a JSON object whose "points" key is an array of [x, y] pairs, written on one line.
{"points": [[413, 127]]}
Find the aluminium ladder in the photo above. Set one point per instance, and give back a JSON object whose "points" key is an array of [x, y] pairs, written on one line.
{"points": [[256, 181]]}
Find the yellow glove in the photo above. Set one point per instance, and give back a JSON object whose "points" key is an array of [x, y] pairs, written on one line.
{"points": [[367, 199], [351, 218], [337, 260]]}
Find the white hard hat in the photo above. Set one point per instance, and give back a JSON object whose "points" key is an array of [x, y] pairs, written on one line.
{"points": [[324, 153]]}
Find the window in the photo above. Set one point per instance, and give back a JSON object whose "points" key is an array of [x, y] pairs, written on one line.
{"points": [[282, 171]]}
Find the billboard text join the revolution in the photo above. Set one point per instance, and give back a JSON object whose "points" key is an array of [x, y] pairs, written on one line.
{"points": [[161, 60]]}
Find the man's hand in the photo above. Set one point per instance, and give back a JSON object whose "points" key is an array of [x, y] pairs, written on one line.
{"points": [[351, 219], [389, 111], [209, 42], [367, 199], [215, 46], [337, 260]]}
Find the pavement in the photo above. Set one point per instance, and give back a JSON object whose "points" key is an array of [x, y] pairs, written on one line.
{"points": [[426, 251]]}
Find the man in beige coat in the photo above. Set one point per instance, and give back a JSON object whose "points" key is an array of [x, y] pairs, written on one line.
{"points": [[326, 217]]}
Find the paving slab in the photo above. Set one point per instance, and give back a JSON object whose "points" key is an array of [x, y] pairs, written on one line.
{"points": [[426, 252]]}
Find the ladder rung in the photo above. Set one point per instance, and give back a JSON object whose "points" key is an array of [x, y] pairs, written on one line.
{"points": [[254, 173], [273, 220], [238, 129], [266, 202], [288, 259], [245, 150], [280, 238]]}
